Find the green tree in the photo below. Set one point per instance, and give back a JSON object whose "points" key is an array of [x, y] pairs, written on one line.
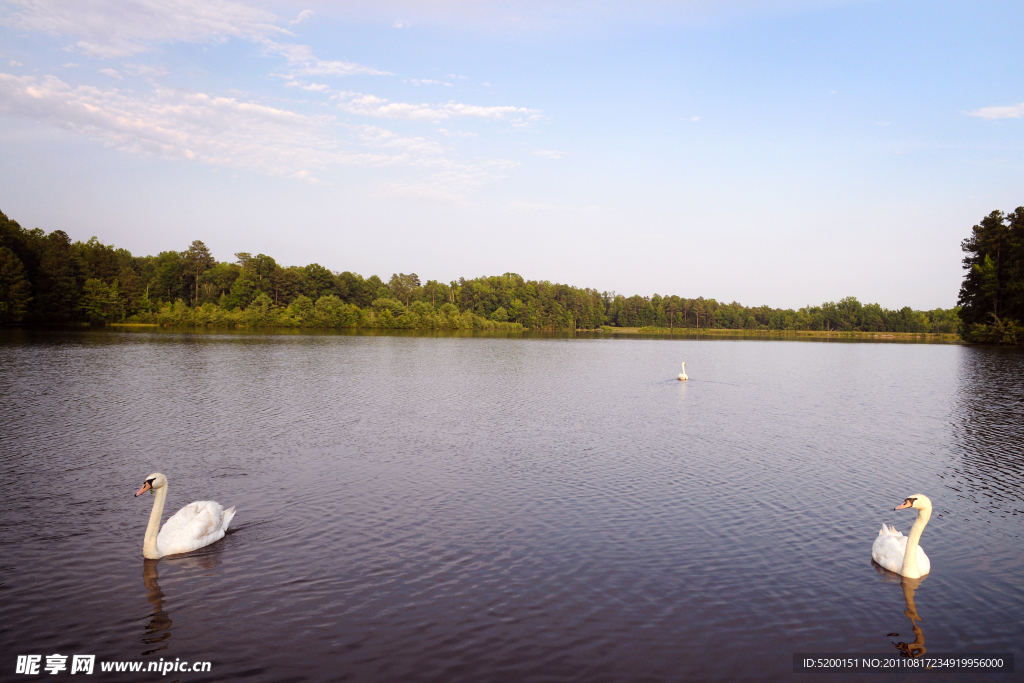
{"points": [[402, 286], [100, 302], [317, 281], [195, 261], [394, 306], [992, 292], [217, 281], [165, 276], [15, 288]]}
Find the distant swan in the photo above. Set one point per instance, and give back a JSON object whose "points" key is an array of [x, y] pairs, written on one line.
{"points": [[683, 376], [193, 526], [902, 554]]}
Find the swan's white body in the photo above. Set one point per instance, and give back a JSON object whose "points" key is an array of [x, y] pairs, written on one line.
{"points": [[192, 527], [682, 375], [890, 547], [903, 554]]}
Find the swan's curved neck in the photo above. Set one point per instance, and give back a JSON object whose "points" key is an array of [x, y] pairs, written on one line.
{"points": [[910, 568], [149, 548]]}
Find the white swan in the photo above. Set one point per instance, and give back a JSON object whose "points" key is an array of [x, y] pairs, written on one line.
{"points": [[193, 526], [683, 376], [902, 554]]}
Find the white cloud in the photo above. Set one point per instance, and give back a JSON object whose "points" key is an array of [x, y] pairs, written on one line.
{"points": [[145, 70], [379, 137], [219, 131], [120, 28], [226, 132], [304, 63], [233, 132], [1010, 112], [428, 81], [401, 24], [303, 15], [694, 119], [371, 105], [15, 62], [69, 65], [312, 87], [549, 153]]}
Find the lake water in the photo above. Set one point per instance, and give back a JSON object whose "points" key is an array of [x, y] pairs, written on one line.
{"points": [[499, 509]]}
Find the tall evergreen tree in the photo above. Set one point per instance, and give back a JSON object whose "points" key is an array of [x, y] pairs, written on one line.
{"points": [[15, 289], [992, 293]]}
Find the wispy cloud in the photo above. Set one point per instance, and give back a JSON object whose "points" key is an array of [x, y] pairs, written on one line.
{"points": [[549, 153], [1011, 112], [228, 132], [123, 28], [303, 15], [120, 28], [235, 131], [386, 139], [303, 62], [145, 70], [220, 131], [371, 105], [312, 87]]}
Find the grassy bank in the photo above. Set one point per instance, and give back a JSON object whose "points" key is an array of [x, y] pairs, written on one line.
{"points": [[693, 333]]}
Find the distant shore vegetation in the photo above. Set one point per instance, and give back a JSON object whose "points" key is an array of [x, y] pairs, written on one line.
{"points": [[46, 278]]}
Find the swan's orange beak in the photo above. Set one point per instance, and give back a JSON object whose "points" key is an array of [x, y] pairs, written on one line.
{"points": [[145, 487], [905, 505]]}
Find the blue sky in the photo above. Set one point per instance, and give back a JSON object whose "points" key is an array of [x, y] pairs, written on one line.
{"points": [[781, 153]]}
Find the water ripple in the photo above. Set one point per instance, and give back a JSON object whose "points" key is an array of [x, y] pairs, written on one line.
{"points": [[488, 509]]}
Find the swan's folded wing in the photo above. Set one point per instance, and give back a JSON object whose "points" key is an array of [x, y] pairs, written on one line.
{"points": [[193, 526], [888, 549]]}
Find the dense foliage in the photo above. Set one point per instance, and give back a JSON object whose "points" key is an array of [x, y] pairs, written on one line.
{"points": [[47, 278], [992, 293]]}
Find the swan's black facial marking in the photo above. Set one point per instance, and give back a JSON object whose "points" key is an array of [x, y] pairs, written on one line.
{"points": [[910, 501]]}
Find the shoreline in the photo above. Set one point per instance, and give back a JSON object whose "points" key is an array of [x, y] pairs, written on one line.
{"points": [[916, 337], [599, 333]]}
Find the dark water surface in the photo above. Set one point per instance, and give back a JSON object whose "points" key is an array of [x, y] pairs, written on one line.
{"points": [[488, 509]]}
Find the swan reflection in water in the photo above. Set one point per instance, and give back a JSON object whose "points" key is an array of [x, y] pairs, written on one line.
{"points": [[916, 648], [158, 630], [909, 586]]}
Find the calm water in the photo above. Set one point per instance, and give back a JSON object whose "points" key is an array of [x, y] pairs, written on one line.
{"points": [[487, 509]]}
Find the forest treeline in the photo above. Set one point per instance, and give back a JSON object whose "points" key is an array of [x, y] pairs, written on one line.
{"points": [[48, 278], [992, 293]]}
